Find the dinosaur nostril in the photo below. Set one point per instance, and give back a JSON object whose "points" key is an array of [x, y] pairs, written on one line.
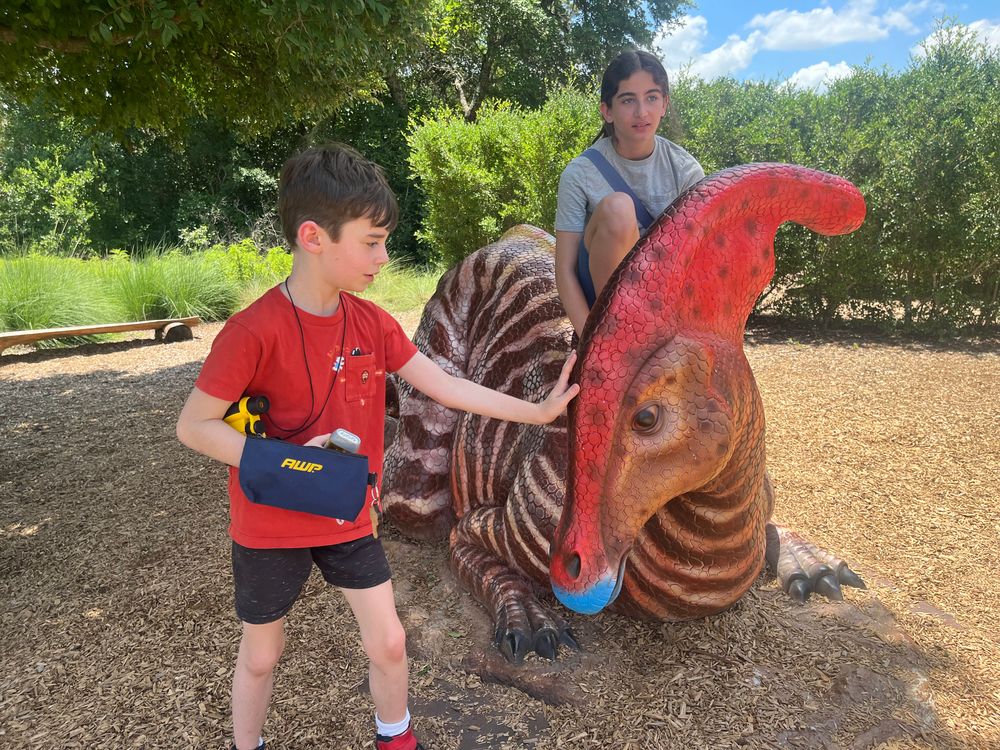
{"points": [[573, 565]]}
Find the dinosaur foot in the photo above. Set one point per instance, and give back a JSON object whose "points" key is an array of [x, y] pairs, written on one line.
{"points": [[802, 568], [525, 625]]}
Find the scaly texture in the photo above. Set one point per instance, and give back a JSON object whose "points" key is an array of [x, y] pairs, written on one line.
{"points": [[656, 498]]}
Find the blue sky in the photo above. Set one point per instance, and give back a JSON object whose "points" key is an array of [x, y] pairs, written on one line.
{"points": [[811, 43]]}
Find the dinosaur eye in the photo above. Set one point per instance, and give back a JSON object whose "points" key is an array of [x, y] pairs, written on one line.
{"points": [[646, 420]]}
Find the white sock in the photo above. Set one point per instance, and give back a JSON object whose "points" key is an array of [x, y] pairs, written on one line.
{"points": [[391, 730]]}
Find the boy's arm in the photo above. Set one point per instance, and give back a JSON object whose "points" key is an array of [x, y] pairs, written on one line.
{"points": [[458, 393], [200, 427]]}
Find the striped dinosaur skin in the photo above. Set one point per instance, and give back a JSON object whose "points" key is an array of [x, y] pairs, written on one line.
{"points": [[652, 496]]}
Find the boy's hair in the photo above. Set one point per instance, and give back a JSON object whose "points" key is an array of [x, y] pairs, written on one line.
{"points": [[332, 185]]}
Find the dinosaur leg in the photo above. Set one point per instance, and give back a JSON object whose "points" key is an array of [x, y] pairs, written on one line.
{"points": [[803, 568], [523, 623], [416, 487]]}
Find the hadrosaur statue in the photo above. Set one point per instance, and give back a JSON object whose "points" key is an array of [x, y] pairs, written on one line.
{"points": [[652, 495]]}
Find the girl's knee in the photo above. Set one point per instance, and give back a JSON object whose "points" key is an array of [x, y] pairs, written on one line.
{"points": [[388, 647], [615, 215]]}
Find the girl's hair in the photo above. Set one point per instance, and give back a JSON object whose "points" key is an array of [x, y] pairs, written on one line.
{"points": [[623, 66]]}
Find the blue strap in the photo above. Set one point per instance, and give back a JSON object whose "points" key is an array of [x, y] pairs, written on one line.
{"points": [[583, 274], [618, 184]]}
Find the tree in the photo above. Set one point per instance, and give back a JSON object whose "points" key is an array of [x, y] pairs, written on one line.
{"points": [[515, 49], [156, 63]]}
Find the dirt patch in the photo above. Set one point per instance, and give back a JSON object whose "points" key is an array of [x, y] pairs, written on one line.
{"points": [[116, 620]]}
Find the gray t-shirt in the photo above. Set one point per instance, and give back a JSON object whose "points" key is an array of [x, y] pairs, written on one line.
{"points": [[582, 187]]}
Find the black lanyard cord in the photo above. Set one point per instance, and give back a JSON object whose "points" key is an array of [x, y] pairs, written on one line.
{"points": [[340, 363]]}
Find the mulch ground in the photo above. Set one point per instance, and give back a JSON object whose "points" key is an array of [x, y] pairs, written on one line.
{"points": [[117, 629]]}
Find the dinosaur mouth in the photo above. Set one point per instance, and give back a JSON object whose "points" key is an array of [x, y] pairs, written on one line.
{"points": [[620, 578], [593, 599]]}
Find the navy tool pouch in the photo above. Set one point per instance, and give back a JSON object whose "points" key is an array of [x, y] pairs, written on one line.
{"points": [[304, 478]]}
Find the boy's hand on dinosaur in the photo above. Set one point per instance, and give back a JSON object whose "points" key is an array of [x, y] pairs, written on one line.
{"points": [[560, 396]]}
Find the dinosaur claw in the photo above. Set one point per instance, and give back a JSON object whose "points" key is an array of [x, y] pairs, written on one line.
{"points": [[511, 642], [524, 625], [849, 578], [546, 645], [502, 643], [829, 587], [568, 638], [513, 646], [500, 631], [804, 568], [799, 590]]}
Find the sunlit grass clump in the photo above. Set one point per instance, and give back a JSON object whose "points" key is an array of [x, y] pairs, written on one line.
{"points": [[401, 289], [172, 285], [38, 291]]}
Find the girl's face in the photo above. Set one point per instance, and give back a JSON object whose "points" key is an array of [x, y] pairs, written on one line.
{"points": [[636, 109]]}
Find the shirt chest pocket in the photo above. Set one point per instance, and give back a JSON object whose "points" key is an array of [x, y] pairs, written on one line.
{"points": [[362, 376]]}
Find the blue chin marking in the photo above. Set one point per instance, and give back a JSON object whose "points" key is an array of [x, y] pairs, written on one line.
{"points": [[593, 600]]}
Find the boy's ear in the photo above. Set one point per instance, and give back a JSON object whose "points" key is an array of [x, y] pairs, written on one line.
{"points": [[310, 236]]}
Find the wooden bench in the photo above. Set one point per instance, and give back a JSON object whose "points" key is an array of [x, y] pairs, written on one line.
{"points": [[168, 331]]}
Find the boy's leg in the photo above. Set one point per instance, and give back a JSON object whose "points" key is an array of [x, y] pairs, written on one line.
{"points": [[610, 234], [360, 569], [384, 641], [267, 583], [260, 649]]}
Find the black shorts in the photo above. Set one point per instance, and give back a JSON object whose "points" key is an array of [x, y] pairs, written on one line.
{"points": [[268, 581]]}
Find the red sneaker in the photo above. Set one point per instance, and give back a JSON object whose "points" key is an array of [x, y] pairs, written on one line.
{"points": [[404, 741]]}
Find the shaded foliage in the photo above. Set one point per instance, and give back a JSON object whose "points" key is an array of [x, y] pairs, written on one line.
{"points": [[254, 66], [476, 50]]}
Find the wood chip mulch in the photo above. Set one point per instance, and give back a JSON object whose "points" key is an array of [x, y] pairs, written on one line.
{"points": [[117, 628]]}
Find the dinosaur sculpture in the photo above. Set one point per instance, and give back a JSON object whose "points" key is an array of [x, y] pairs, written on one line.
{"points": [[652, 495]]}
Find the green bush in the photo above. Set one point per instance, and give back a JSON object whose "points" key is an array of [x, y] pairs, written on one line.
{"points": [[243, 262], [135, 285], [482, 178], [44, 206]]}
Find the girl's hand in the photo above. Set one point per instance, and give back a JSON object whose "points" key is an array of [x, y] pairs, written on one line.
{"points": [[319, 441], [555, 403]]}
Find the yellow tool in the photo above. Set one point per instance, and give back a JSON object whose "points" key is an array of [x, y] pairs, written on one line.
{"points": [[244, 415]]}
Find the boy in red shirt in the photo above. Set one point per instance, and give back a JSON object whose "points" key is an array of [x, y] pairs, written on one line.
{"points": [[320, 357]]}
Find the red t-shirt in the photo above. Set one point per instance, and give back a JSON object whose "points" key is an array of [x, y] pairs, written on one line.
{"points": [[259, 352]]}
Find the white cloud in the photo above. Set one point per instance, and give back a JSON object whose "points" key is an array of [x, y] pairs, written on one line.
{"points": [[819, 76], [733, 55], [985, 32], [819, 27], [855, 21], [679, 45], [682, 46], [900, 18]]}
